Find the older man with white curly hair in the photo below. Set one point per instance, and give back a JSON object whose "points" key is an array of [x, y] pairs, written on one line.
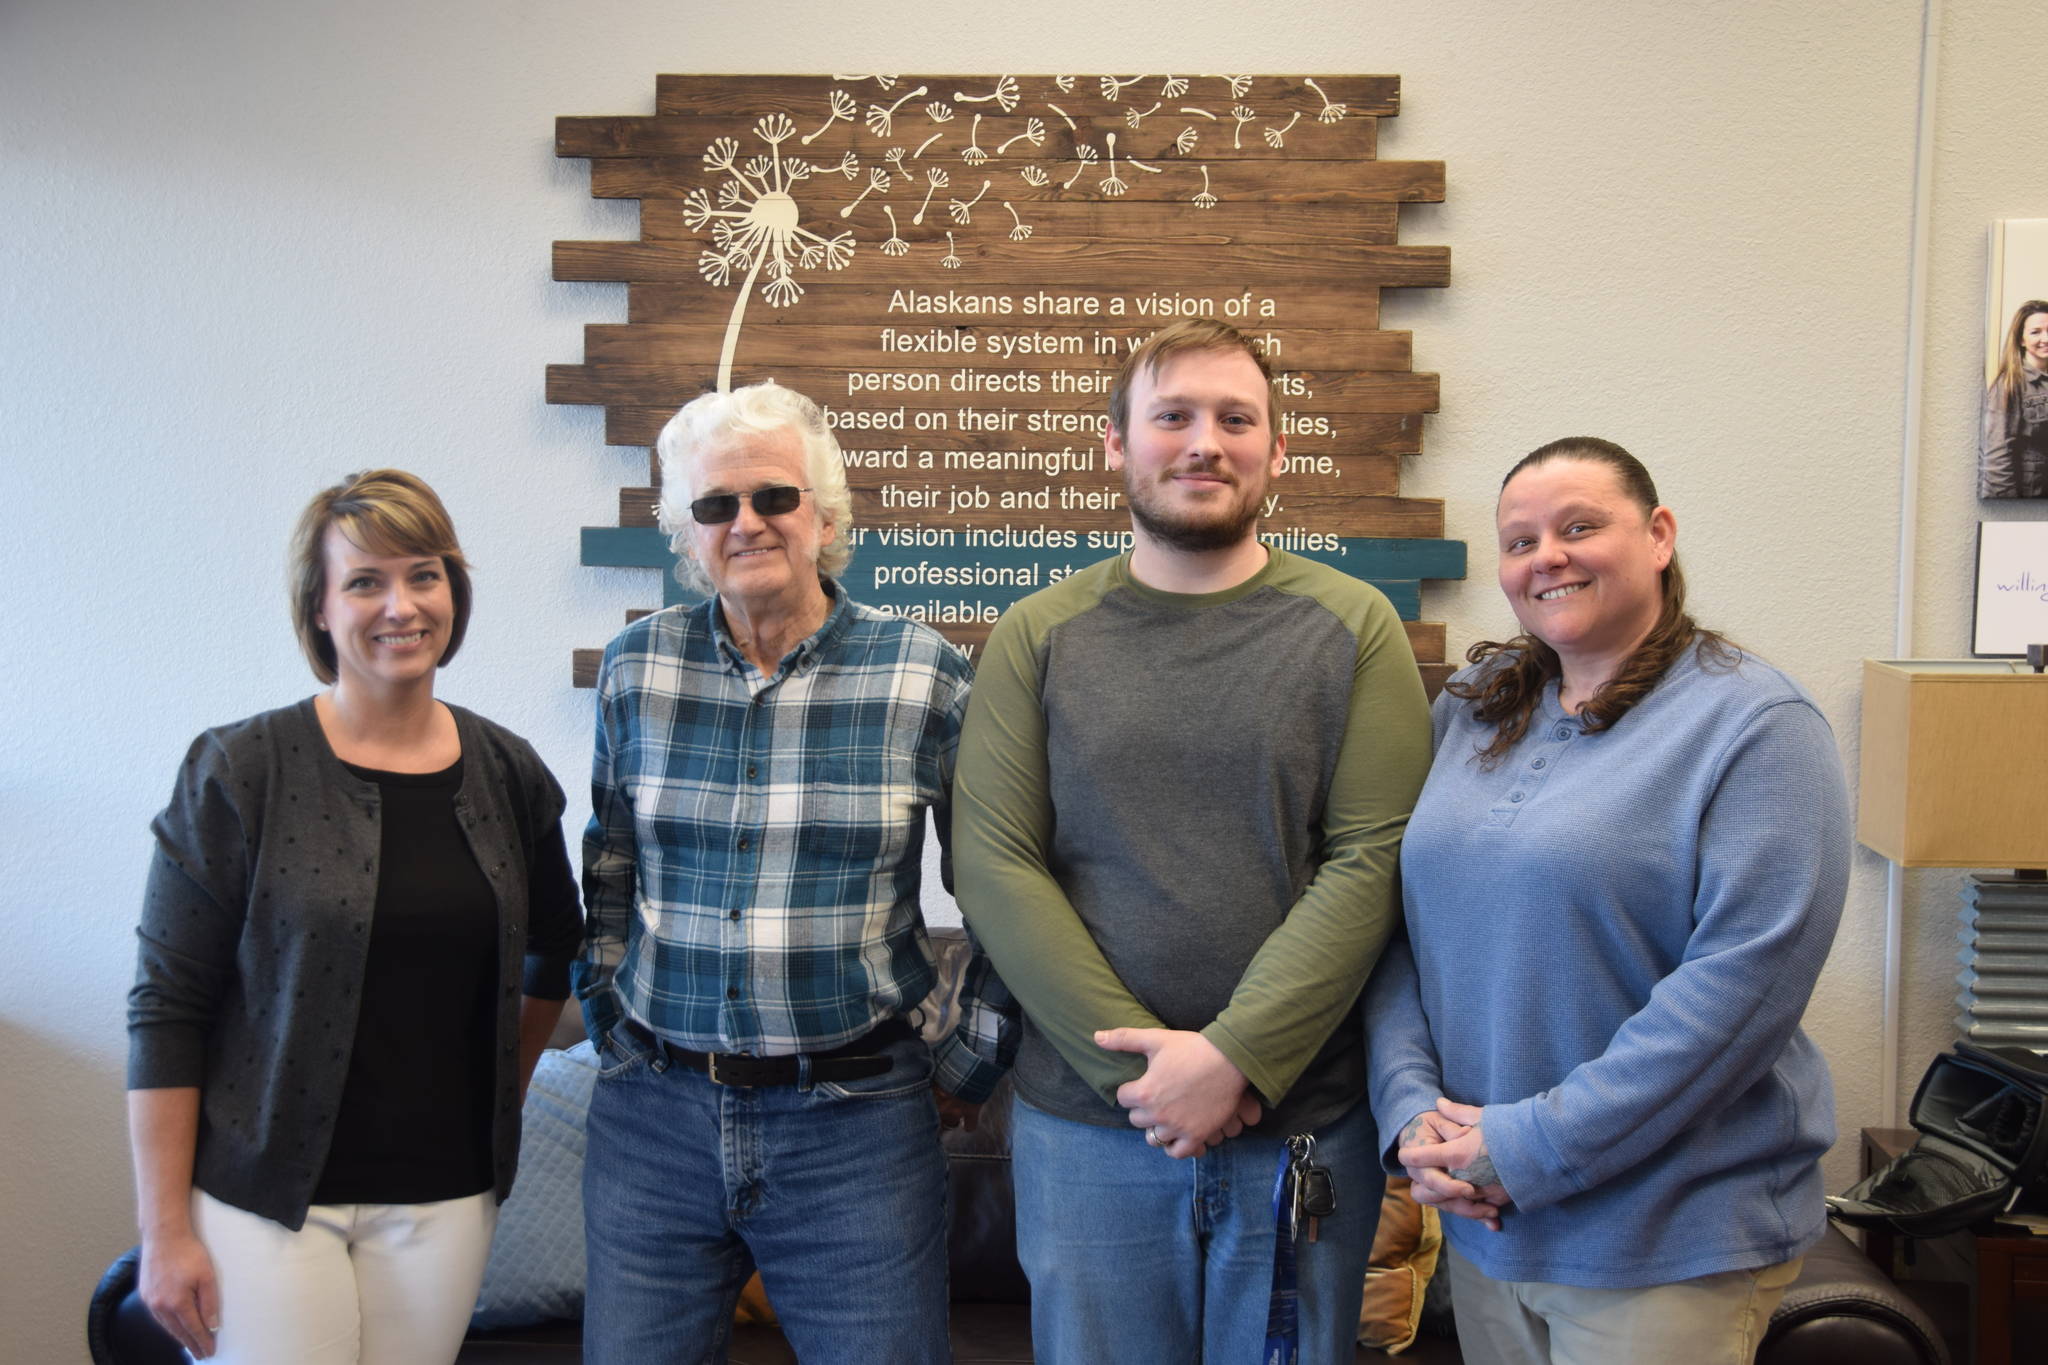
{"points": [[764, 763]]}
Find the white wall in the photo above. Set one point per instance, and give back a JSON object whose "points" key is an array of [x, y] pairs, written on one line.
{"points": [[246, 246]]}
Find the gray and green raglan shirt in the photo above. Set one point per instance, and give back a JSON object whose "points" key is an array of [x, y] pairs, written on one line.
{"points": [[1186, 811]]}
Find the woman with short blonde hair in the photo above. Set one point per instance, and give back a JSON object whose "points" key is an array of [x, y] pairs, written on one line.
{"points": [[354, 943]]}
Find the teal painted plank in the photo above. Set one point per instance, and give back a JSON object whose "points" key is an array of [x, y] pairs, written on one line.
{"points": [[626, 547]]}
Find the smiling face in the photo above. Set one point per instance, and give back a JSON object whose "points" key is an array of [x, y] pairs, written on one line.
{"points": [[756, 562], [2034, 340], [1198, 450], [1581, 563], [388, 616]]}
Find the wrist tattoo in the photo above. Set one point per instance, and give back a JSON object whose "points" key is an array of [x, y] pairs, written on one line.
{"points": [[1479, 1174], [1411, 1133]]}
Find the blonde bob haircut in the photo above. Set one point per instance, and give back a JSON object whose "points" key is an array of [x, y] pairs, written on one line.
{"points": [[714, 419], [382, 512]]}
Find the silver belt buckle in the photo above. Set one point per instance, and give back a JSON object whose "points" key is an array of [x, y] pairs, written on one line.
{"points": [[711, 1069]]}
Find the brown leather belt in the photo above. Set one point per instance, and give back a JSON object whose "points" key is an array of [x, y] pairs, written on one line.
{"points": [[848, 1062]]}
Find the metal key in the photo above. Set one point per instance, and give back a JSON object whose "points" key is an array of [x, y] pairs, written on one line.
{"points": [[1315, 1193]]}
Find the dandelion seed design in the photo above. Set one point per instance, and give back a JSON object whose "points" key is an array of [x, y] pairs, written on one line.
{"points": [[842, 107], [882, 118], [1034, 133], [759, 229], [1112, 184], [1004, 95], [895, 246], [848, 165], [1329, 113], [878, 179], [963, 209], [1243, 114], [1277, 137], [1086, 155], [747, 210], [935, 180]]}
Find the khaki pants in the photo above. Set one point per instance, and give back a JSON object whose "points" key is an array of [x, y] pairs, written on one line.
{"points": [[1713, 1320]]}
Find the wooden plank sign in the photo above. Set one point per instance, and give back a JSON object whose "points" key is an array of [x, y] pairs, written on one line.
{"points": [[954, 266]]}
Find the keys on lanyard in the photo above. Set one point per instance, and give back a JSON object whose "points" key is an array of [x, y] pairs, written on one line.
{"points": [[1315, 1190]]}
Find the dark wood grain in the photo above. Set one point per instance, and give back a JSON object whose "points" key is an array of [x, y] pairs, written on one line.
{"points": [[1222, 225], [1045, 263], [988, 346], [828, 299], [1264, 180], [792, 94], [1374, 433], [998, 142]]}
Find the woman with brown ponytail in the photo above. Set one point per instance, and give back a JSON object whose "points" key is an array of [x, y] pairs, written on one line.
{"points": [[1620, 884]]}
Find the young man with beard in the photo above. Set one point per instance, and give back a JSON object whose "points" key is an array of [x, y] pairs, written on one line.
{"points": [[1182, 785]]}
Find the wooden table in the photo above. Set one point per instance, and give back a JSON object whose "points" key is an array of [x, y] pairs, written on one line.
{"points": [[2010, 1269]]}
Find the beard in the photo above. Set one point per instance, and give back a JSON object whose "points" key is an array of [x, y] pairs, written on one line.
{"points": [[1204, 529]]}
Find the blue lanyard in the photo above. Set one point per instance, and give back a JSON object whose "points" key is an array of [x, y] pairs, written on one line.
{"points": [[1283, 1309]]}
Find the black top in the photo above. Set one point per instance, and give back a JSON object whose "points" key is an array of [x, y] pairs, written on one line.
{"points": [[256, 928], [414, 1124]]}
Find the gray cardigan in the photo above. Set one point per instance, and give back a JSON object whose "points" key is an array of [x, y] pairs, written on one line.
{"points": [[255, 930]]}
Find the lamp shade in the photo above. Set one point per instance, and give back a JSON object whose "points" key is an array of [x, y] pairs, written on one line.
{"points": [[1955, 763]]}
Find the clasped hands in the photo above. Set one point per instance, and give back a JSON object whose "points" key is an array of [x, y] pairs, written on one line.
{"points": [[1191, 1096], [1444, 1153]]}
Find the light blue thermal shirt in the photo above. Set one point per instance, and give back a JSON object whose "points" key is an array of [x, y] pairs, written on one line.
{"points": [[1611, 940]]}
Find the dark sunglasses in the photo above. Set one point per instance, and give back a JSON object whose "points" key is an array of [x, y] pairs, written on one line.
{"points": [[720, 508]]}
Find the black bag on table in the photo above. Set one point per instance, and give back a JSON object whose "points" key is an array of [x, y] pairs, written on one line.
{"points": [[1983, 1120]]}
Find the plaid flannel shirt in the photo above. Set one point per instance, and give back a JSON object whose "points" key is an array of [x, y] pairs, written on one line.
{"points": [[755, 848]]}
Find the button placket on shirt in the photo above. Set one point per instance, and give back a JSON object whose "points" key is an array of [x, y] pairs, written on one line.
{"points": [[749, 816], [1534, 769]]}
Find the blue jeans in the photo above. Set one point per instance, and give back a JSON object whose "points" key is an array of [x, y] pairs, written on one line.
{"points": [[1136, 1257], [836, 1191]]}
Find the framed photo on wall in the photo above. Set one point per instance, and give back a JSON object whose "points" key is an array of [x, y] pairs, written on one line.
{"points": [[2012, 429], [2012, 588]]}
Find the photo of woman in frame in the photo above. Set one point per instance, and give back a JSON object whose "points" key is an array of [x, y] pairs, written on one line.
{"points": [[2012, 438]]}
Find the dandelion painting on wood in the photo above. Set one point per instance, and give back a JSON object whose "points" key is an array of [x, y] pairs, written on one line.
{"points": [[952, 267]]}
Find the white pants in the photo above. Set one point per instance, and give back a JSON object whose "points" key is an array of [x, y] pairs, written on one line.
{"points": [[381, 1284], [1713, 1320]]}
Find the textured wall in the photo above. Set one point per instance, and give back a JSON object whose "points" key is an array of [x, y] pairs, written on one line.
{"points": [[251, 246], [1991, 55]]}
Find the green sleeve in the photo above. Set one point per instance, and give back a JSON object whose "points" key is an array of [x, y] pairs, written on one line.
{"points": [[1002, 845], [1309, 970]]}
